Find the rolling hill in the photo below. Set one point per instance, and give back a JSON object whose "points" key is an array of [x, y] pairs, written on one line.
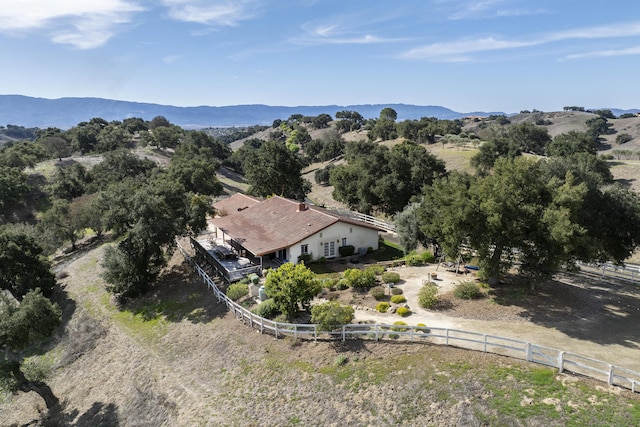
{"points": [[68, 112]]}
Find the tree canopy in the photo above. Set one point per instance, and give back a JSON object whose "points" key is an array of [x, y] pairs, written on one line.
{"points": [[378, 178], [537, 215], [273, 169], [292, 286]]}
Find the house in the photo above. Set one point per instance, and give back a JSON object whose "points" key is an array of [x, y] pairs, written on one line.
{"points": [[283, 230]]}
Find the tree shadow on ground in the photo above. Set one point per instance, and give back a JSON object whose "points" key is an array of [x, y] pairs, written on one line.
{"points": [[179, 294], [99, 415], [580, 307]]}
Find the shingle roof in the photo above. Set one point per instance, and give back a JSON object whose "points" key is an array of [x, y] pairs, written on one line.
{"points": [[234, 204], [277, 223]]}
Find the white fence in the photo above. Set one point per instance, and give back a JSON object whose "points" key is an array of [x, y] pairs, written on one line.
{"points": [[628, 273], [563, 361], [367, 218]]}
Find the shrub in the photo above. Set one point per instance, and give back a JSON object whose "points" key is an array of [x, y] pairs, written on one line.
{"points": [[360, 279], [342, 284], [377, 292], [399, 322], [396, 291], [467, 290], [237, 291], [305, 258], [425, 331], [330, 283], [390, 277], [428, 296], [331, 315], [375, 269], [403, 311], [623, 137], [398, 299], [347, 250], [427, 257], [266, 309], [382, 307], [413, 260]]}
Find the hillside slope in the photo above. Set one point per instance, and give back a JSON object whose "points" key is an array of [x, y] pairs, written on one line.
{"points": [[176, 358]]}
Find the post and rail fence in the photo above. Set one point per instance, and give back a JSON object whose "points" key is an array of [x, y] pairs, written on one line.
{"points": [[487, 343]]}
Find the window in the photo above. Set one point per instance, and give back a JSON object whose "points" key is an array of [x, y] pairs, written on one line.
{"points": [[344, 241], [330, 249], [304, 249]]}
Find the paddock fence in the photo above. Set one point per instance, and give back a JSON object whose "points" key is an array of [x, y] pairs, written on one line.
{"points": [[629, 273], [487, 343]]}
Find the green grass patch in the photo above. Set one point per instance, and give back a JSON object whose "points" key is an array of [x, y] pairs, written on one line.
{"points": [[387, 251], [321, 268]]}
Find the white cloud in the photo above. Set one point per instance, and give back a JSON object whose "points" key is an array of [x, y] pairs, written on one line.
{"points": [[635, 50], [228, 13], [316, 34], [455, 50], [82, 24], [171, 59]]}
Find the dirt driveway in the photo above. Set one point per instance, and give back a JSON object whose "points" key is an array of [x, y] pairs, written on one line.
{"points": [[572, 313]]}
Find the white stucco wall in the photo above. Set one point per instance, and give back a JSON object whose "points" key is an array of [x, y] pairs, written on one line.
{"points": [[359, 237]]}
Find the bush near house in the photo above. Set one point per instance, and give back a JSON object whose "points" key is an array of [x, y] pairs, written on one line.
{"points": [[266, 309], [360, 279], [347, 250], [382, 307], [237, 291], [390, 277], [378, 292], [428, 296], [467, 290], [331, 315], [403, 311], [398, 299]]}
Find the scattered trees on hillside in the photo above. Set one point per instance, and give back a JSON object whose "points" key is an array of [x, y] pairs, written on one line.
{"points": [[26, 313], [570, 143], [347, 121], [424, 131]]}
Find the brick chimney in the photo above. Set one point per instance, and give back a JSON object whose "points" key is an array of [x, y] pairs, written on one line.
{"points": [[301, 207]]}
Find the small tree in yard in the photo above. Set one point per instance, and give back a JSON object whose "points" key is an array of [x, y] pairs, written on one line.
{"points": [[331, 315], [292, 286]]}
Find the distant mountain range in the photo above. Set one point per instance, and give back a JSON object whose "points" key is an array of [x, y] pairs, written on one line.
{"points": [[65, 113]]}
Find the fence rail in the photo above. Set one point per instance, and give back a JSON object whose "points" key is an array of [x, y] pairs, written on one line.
{"points": [[367, 218], [628, 273], [561, 360]]}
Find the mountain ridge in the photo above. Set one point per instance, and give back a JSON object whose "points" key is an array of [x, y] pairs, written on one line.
{"points": [[67, 112]]}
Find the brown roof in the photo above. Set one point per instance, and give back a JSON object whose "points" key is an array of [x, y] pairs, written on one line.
{"points": [[277, 223], [234, 204]]}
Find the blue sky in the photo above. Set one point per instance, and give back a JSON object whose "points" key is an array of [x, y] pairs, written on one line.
{"points": [[467, 55]]}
